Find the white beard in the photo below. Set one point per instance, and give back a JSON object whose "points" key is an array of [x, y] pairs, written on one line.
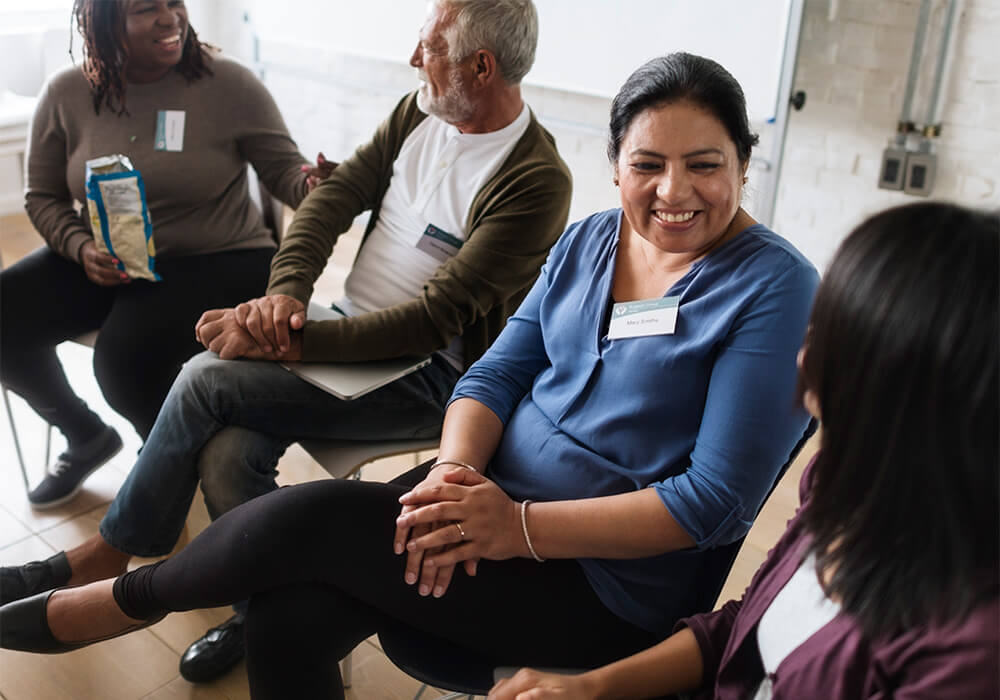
{"points": [[452, 106]]}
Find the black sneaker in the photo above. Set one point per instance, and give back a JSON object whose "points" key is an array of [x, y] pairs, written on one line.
{"points": [[18, 582], [66, 476]]}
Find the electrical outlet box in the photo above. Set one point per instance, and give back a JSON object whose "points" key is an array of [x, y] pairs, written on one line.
{"points": [[893, 169], [920, 171]]}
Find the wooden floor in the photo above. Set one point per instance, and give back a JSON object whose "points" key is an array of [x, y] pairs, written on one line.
{"points": [[144, 664]]}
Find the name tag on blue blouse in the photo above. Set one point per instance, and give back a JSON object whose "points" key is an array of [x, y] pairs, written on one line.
{"points": [[439, 244], [169, 130], [634, 319]]}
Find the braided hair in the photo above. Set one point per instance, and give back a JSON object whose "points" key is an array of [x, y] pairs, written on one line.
{"points": [[105, 52]]}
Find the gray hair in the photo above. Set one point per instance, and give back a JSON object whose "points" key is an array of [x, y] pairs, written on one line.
{"points": [[506, 28]]}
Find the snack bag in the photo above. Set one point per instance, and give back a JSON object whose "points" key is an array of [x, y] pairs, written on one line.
{"points": [[119, 217]]}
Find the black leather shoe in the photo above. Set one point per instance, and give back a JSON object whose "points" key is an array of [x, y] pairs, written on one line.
{"points": [[24, 626], [215, 653], [18, 582]]}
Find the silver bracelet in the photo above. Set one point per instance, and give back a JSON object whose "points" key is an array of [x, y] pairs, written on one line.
{"points": [[524, 529], [455, 462]]}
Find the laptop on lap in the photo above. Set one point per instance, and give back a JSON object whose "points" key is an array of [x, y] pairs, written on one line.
{"points": [[350, 380]]}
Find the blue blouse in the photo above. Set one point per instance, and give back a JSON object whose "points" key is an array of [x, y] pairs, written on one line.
{"points": [[706, 416]]}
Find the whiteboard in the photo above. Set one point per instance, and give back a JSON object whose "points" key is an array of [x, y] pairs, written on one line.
{"points": [[383, 29], [592, 46], [585, 46]]}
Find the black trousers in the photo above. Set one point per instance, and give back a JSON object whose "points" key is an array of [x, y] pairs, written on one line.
{"points": [[317, 563], [146, 330]]}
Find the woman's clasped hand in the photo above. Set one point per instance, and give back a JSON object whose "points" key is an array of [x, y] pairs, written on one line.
{"points": [[455, 516]]}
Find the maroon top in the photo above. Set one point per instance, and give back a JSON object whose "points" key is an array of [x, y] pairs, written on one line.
{"points": [[956, 660]]}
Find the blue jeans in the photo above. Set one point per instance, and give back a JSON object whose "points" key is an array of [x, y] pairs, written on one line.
{"points": [[228, 422]]}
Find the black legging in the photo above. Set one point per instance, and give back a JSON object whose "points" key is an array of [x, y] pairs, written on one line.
{"points": [[317, 562], [147, 330]]}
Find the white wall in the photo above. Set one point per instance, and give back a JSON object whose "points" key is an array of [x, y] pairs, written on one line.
{"points": [[33, 44], [853, 69], [333, 99], [852, 63]]}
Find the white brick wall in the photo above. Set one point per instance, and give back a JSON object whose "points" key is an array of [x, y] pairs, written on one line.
{"points": [[853, 69]]}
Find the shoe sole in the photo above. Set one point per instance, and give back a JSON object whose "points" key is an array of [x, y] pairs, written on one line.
{"points": [[49, 505]]}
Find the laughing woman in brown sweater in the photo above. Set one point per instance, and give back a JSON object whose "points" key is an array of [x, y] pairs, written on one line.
{"points": [[141, 59]]}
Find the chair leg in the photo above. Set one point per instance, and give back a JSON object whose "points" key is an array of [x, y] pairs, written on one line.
{"points": [[17, 443], [48, 445]]}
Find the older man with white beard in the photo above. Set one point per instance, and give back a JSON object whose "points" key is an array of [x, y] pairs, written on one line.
{"points": [[463, 161]]}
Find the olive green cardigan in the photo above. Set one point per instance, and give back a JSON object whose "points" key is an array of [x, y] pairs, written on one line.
{"points": [[514, 219]]}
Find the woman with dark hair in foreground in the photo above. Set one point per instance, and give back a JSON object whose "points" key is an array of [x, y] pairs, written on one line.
{"points": [[885, 582]]}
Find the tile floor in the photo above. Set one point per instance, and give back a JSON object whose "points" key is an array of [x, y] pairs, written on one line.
{"points": [[144, 664]]}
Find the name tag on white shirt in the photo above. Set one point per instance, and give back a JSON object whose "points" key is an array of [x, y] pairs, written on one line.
{"points": [[169, 130], [439, 244], [634, 319]]}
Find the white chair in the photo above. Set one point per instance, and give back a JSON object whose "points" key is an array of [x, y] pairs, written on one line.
{"points": [[17, 443], [344, 458]]}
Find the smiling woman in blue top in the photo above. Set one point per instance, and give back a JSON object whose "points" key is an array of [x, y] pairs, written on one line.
{"points": [[627, 423], [885, 584]]}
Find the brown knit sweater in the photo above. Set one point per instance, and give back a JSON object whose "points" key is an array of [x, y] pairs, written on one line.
{"points": [[514, 219], [198, 198]]}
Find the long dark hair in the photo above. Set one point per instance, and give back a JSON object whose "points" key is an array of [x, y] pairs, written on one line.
{"points": [[682, 76], [902, 355], [101, 23]]}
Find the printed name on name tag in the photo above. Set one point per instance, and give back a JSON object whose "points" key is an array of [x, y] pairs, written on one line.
{"points": [[634, 319], [439, 244], [169, 130]]}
